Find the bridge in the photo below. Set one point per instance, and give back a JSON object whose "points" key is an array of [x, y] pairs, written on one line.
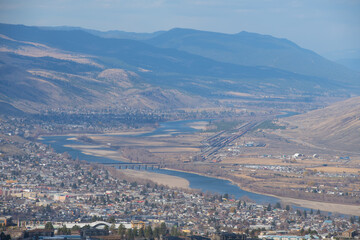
{"points": [[139, 166]]}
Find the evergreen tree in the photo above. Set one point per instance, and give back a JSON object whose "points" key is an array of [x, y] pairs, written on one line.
{"points": [[157, 232], [75, 228], [4, 236], [129, 234], [141, 232], [163, 228], [64, 231], [112, 228], [174, 231], [268, 207], [121, 230], [135, 232], [148, 232], [106, 227], [111, 219], [49, 226], [87, 226]]}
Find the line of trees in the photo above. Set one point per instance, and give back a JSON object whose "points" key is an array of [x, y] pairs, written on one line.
{"points": [[147, 232]]}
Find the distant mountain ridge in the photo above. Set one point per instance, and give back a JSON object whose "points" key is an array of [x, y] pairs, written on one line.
{"points": [[243, 48], [108, 34], [252, 49], [78, 67]]}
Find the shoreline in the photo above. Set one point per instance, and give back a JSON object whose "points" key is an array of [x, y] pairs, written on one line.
{"points": [[315, 205], [323, 206]]}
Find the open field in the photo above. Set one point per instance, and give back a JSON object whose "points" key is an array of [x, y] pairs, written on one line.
{"points": [[335, 169]]}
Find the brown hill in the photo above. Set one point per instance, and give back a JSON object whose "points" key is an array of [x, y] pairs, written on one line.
{"points": [[36, 77], [336, 127]]}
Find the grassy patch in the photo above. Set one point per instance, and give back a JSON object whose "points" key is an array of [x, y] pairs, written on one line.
{"points": [[218, 126], [268, 124]]}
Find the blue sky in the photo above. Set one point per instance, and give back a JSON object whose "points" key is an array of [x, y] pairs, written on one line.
{"points": [[320, 25]]}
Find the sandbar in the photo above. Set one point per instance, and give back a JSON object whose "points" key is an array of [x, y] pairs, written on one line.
{"points": [[170, 181], [199, 125]]}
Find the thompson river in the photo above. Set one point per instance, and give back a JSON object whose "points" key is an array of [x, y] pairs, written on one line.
{"points": [[204, 183]]}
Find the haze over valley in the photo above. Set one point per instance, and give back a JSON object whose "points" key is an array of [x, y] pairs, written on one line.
{"points": [[180, 133]]}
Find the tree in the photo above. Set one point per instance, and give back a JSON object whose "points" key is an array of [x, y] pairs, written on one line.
{"points": [[174, 231], [135, 232], [163, 228], [148, 232], [111, 219], [121, 230], [87, 226], [48, 208], [287, 208], [49, 226], [4, 236], [157, 232], [106, 227], [268, 207], [141, 233], [278, 205], [112, 228], [129, 234], [75, 228], [64, 230]]}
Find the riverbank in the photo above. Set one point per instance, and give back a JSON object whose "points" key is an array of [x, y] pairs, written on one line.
{"points": [[322, 206], [172, 182], [161, 179]]}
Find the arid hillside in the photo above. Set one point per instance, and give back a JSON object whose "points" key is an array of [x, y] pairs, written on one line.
{"points": [[35, 77], [336, 127]]}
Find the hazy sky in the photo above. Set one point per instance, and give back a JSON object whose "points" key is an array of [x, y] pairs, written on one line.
{"points": [[320, 25]]}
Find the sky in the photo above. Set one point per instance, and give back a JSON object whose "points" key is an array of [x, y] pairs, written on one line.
{"points": [[324, 26]]}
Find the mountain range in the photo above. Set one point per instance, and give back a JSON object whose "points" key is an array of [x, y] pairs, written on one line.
{"points": [[45, 67]]}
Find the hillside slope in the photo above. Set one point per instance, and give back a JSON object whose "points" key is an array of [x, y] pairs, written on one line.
{"points": [[36, 77], [336, 127]]}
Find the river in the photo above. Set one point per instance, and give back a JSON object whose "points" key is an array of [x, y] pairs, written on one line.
{"points": [[205, 184]]}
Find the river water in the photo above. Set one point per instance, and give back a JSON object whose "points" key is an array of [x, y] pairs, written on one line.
{"points": [[205, 184]]}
